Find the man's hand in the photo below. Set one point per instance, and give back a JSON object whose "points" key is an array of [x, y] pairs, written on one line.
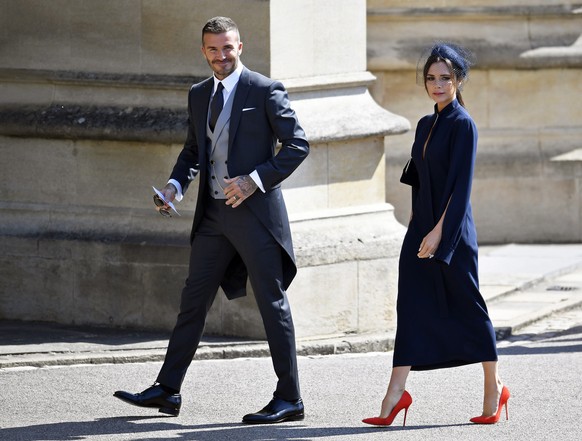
{"points": [[169, 192], [238, 189]]}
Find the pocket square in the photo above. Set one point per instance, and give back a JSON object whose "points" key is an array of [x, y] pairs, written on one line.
{"points": [[246, 109]]}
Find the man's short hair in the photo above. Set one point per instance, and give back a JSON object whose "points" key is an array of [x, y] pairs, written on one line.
{"points": [[219, 25]]}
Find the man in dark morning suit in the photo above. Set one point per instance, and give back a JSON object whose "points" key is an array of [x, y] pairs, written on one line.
{"points": [[240, 228]]}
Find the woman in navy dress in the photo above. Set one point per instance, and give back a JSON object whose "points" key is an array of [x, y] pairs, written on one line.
{"points": [[442, 319]]}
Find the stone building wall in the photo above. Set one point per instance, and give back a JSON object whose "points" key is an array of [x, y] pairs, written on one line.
{"points": [[523, 94], [93, 113], [92, 101]]}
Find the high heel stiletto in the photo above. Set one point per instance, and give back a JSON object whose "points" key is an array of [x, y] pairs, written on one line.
{"points": [[403, 403], [494, 418]]}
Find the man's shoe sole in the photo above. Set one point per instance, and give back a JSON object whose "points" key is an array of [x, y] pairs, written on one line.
{"points": [[167, 410], [297, 417]]}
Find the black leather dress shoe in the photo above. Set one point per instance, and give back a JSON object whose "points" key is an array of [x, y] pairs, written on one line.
{"points": [[277, 411], [153, 396]]}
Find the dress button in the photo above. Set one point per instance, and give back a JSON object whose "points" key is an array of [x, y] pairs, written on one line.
{"points": [[215, 192], [213, 177], [212, 162]]}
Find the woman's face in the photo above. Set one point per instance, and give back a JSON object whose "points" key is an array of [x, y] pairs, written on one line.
{"points": [[440, 84]]}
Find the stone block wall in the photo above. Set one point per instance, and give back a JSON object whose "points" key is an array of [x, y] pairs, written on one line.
{"points": [[522, 94], [93, 113]]}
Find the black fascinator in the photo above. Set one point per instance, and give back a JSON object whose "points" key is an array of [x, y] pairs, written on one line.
{"points": [[460, 58]]}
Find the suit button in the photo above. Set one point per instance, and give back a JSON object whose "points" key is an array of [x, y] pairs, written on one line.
{"points": [[212, 162], [215, 192], [212, 177]]}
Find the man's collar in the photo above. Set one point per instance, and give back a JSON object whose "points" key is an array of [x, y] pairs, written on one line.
{"points": [[230, 81]]}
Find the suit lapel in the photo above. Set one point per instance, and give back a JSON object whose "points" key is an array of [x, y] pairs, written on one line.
{"points": [[199, 108], [240, 96], [202, 103]]}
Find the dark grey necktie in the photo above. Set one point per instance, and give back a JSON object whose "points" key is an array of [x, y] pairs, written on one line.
{"points": [[216, 106]]}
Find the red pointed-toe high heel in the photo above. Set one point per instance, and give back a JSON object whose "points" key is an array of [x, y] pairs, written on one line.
{"points": [[494, 418], [403, 403]]}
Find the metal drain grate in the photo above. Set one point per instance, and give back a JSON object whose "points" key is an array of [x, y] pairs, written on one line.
{"points": [[561, 288]]}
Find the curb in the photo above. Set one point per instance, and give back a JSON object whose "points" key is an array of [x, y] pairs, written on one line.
{"points": [[339, 345], [504, 332], [347, 344]]}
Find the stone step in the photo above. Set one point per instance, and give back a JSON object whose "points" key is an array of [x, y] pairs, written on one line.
{"points": [[522, 307]]}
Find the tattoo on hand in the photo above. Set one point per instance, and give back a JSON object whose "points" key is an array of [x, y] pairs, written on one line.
{"points": [[246, 185]]}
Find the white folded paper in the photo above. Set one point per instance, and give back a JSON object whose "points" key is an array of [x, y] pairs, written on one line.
{"points": [[159, 193]]}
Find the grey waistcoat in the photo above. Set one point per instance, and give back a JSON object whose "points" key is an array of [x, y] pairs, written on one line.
{"points": [[218, 150]]}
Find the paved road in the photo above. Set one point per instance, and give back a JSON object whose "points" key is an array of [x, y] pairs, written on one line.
{"points": [[541, 365]]}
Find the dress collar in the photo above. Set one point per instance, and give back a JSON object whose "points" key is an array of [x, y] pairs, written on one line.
{"points": [[453, 105]]}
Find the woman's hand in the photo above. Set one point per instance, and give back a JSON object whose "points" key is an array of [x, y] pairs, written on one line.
{"points": [[430, 243], [432, 240]]}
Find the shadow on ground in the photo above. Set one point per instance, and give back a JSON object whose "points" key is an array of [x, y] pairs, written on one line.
{"points": [[154, 426]]}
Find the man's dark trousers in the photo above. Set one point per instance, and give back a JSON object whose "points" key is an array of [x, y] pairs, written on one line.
{"points": [[223, 232]]}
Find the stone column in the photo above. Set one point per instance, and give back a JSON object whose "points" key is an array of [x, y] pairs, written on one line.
{"points": [[94, 114]]}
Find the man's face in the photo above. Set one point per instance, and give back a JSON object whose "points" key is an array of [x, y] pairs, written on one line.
{"points": [[222, 52]]}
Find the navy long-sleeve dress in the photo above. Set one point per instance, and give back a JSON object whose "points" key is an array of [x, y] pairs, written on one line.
{"points": [[442, 319]]}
